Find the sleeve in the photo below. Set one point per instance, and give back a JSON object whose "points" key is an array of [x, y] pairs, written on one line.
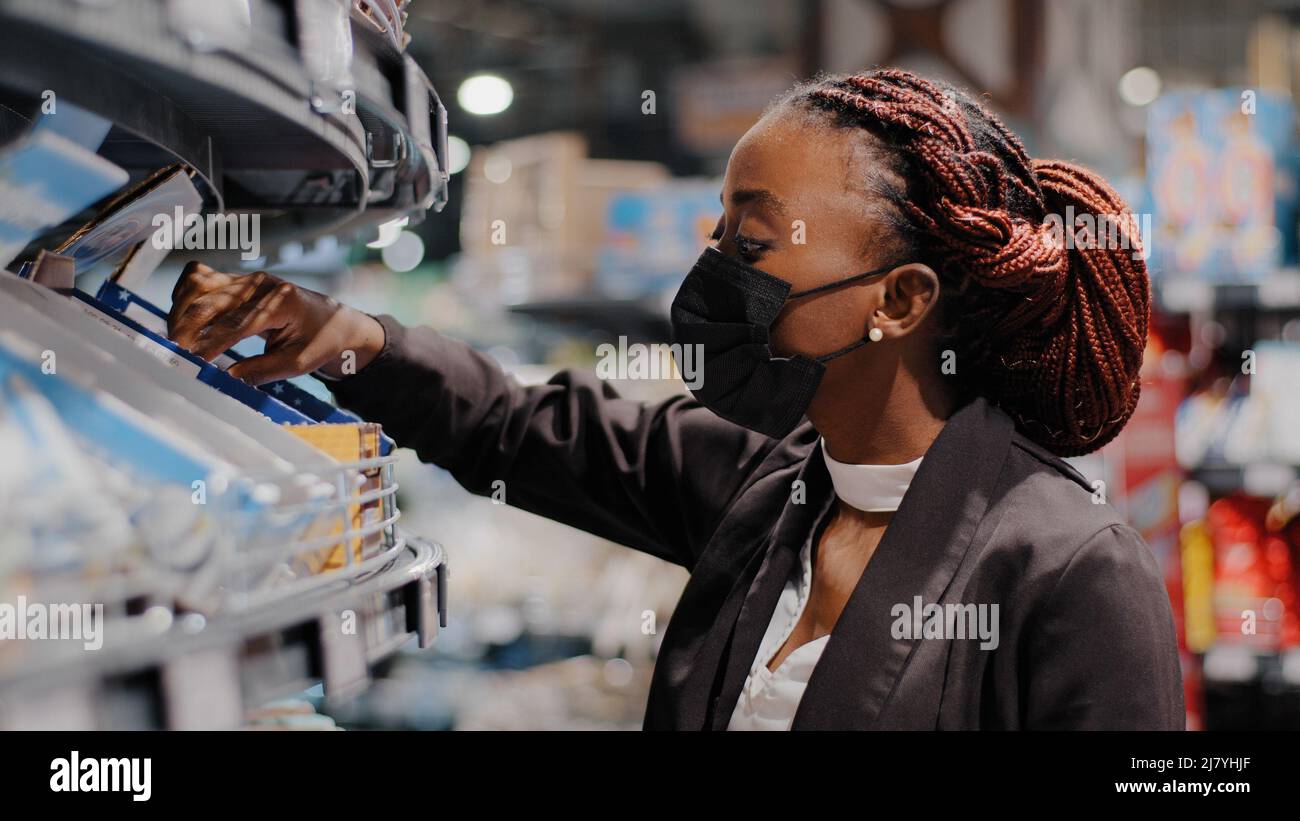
{"points": [[654, 477], [1103, 655]]}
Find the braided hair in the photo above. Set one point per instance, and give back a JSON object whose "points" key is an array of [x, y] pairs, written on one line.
{"points": [[1048, 317]]}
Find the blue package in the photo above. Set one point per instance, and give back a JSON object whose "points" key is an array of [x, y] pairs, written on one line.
{"points": [[45, 180], [281, 401], [115, 437], [652, 236], [1222, 183]]}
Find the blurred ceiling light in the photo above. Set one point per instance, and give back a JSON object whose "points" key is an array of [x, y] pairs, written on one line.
{"points": [[388, 232], [457, 154], [406, 252], [485, 94], [497, 168], [1139, 86]]}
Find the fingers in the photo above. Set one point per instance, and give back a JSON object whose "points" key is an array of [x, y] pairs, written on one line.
{"points": [[212, 311], [201, 305], [189, 322], [282, 363], [192, 270], [195, 280], [259, 313], [287, 357]]}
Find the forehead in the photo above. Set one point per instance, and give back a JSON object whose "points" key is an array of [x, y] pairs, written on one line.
{"points": [[813, 169]]}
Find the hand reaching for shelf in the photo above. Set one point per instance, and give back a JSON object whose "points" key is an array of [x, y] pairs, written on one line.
{"points": [[304, 331]]}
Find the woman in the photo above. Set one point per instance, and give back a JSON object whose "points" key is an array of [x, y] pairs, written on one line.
{"points": [[914, 554]]}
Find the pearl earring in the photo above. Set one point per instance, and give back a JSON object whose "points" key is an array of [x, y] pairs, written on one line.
{"points": [[875, 334]]}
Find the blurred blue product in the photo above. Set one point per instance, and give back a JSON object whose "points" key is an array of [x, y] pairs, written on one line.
{"points": [[45, 179], [653, 237], [1223, 184], [75, 124], [87, 476], [106, 429]]}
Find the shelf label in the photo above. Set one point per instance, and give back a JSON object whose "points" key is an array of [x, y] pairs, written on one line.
{"points": [[144, 343]]}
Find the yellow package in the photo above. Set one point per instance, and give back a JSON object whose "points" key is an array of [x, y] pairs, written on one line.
{"points": [[374, 480], [343, 442]]}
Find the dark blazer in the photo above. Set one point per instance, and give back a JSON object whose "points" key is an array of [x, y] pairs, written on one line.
{"points": [[1086, 631]]}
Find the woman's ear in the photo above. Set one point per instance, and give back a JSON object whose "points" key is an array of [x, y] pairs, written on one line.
{"points": [[908, 293]]}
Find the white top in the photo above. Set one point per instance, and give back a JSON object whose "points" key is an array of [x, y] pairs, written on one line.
{"points": [[870, 488], [769, 699]]}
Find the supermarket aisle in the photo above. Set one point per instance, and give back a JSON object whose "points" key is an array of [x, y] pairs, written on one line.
{"points": [[180, 549]]}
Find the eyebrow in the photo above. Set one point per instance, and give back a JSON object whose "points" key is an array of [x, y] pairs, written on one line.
{"points": [[761, 196]]}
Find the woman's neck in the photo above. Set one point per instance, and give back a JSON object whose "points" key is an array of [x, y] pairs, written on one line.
{"points": [[891, 430]]}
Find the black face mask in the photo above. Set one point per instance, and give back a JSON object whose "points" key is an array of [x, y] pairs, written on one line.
{"points": [[727, 308]]}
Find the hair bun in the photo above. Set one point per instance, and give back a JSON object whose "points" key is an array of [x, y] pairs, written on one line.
{"points": [[1007, 252], [1073, 381], [1051, 316]]}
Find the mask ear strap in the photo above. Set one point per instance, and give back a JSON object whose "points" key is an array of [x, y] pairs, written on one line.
{"points": [[840, 283], [846, 349]]}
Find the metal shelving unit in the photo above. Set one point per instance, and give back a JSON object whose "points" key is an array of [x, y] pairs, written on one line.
{"points": [[246, 108], [310, 114], [189, 672]]}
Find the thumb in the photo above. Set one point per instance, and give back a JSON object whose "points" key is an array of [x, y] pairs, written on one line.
{"points": [[268, 367]]}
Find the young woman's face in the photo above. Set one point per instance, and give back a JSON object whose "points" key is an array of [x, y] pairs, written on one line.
{"points": [[794, 206]]}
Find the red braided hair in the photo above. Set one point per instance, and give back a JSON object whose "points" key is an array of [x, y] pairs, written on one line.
{"points": [[1048, 310]]}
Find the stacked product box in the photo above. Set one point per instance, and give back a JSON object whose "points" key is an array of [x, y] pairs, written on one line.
{"points": [[1222, 180]]}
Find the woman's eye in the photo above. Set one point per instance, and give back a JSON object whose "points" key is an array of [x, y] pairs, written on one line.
{"points": [[747, 248]]}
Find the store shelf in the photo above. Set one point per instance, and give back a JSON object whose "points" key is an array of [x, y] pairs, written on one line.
{"points": [[189, 672], [1279, 292], [1240, 664], [637, 318], [251, 119], [1261, 479]]}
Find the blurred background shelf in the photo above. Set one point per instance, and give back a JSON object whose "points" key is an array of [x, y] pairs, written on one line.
{"points": [[1261, 479], [1279, 292], [638, 319]]}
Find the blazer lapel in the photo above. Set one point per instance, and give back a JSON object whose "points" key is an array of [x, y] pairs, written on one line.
{"points": [[761, 596], [685, 694], [918, 555]]}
